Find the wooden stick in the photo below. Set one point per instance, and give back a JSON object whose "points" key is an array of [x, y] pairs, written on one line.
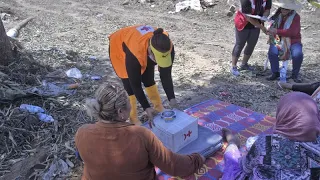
{"points": [[23, 23]]}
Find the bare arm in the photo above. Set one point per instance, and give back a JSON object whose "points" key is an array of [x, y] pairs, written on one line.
{"points": [[267, 9]]}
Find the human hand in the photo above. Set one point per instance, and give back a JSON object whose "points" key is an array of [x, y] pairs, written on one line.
{"points": [[151, 113], [173, 103], [272, 30]]}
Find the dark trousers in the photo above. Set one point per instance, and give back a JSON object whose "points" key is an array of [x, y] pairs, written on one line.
{"points": [[306, 88], [249, 36], [296, 55], [147, 79]]}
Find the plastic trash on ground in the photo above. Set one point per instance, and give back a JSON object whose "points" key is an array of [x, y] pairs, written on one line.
{"points": [[38, 111], [57, 168], [13, 33], [45, 118], [96, 77], [52, 90], [283, 72], [188, 4], [92, 58], [31, 108], [74, 73]]}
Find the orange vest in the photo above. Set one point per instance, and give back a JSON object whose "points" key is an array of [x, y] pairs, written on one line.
{"points": [[136, 38]]}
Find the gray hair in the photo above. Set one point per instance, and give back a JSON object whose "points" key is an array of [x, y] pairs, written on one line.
{"points": [[109, 98]]}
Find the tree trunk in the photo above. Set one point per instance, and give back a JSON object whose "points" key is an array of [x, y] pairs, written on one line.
{"points": [[5, 47]]}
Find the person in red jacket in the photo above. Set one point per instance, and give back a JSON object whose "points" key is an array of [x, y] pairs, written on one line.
{"points": [[287, 44]]}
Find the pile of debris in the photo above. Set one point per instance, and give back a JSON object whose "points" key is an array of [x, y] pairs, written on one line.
{"points": [[41, 97], [30, 82]]}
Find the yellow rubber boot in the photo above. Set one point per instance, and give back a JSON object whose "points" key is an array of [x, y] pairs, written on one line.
{"points": [[133, 113], [154, 97]]}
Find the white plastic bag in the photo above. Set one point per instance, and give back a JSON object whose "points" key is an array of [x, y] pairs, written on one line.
{"points": [[74, 73]]}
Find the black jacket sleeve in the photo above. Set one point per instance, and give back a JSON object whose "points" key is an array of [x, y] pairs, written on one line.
{"points": [[166, 78], [134, 74]]}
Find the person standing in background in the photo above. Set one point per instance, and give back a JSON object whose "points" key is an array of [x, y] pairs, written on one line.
{"points": [[248, 31]]}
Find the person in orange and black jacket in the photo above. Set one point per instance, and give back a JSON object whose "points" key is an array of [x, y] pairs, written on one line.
{"points": [[134, 51]]}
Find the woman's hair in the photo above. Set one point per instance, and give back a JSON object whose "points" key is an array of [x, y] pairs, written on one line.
{"points": [[276, 14], [109, 98], [160, 41]]}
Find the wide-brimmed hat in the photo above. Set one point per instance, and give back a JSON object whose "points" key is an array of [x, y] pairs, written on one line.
{"points": [[288, 4]]}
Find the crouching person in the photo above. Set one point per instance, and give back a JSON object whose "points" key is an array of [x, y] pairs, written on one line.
{"points": [[114, 149], [285, 41]]}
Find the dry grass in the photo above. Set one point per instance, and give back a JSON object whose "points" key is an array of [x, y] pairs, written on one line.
{"points": [[22, 133]]}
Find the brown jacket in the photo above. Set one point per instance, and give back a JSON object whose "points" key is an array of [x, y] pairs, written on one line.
{"points": [[124, 151]]}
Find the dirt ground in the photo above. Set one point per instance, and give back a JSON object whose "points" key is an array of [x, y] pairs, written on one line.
{"points": [[65, 33]]}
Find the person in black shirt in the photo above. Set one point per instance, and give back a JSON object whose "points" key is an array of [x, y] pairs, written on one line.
{"points": [[134, 52], [249, 32]]}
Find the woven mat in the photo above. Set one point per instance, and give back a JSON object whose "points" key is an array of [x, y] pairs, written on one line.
{"points": [[215, 115]]}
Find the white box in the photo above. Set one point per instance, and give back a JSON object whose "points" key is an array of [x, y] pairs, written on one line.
{"points": [[177, 133]]}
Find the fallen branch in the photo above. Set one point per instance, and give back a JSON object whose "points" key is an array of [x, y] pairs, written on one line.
{"points": [[14, 32]]}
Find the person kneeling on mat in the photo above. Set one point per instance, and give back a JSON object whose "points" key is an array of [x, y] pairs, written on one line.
{"points": [[134, 51]]}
